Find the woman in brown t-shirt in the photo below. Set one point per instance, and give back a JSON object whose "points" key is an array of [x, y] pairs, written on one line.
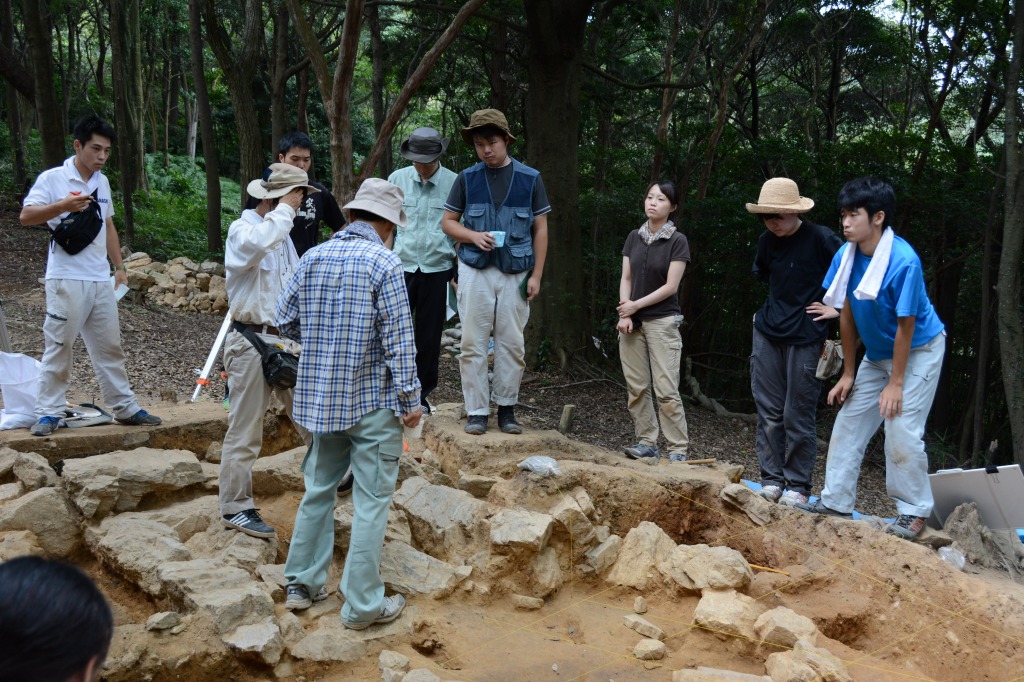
{"points": [[653, 261]]}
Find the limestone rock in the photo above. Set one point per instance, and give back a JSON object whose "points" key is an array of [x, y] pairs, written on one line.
{"points": [[136, 549], [15, 543], [421, 675], [229, 546], [279, 473], [410, 571], [226, 593], [645, 547], [547, 572], [726, 612], [805, 663], [477, 486], [165, 620], [639, 605], [574, 521], [8, 457], [184, 518], [11, 491], [34, 471], [521, 601], [604, 555], [703, 674], [291, 628], [214, 451], [519, 528], [785, 627], [650, 650], [699, 567], [445, 522], [757, 509], [118, 481], [392, 660], [643, 626], [332, 641], [398, 527], [272, 573], [48, 514], [261, 639], [585, 503]]}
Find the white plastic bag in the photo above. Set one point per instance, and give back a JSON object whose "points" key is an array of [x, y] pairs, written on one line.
{"points": [[539, 464], [19, 383], [953, 556]]}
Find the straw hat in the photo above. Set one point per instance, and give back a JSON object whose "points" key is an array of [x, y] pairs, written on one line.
{"points": [[380, 198], [281, 180], [486, 117], [780, 195], [424, 145]]}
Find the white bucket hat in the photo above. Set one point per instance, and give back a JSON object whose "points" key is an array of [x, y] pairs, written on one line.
{"points": [[380, 198], [780, 195], [282, 179]]}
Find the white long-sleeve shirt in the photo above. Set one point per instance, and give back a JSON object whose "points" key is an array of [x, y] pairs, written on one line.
{"points": [[259, 260]]}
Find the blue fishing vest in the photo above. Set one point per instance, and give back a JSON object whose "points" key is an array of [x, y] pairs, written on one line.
{"points": [[514, 217]]}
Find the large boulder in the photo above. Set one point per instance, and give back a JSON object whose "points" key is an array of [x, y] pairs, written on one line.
{"points": [[229, 547], [704, 674], [262, 641], [599, 558], [726, 612], [279, 473], [118, 481], [398, 527], [184, 518], [698, 567], [410, 571], [227, 594], [644, 548], [785, 627], [332, 641], [16, 543], [48, 514], [34, 471], [520, 529], [446, 523], [136, 548], [806, 663], [573, 521]]}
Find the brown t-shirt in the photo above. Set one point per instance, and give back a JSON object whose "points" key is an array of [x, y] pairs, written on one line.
{"points": [[648, 265]]}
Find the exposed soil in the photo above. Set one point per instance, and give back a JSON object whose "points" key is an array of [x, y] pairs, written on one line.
{"points": [[165, 348]]}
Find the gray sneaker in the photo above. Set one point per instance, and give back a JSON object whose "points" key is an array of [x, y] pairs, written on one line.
{"points": [[643, 453], [46, 426], [298, 597], [678, 457], [391, 609]]}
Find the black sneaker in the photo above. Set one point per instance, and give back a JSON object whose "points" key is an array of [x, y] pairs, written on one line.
{"points": [[141, 418], [476, 425], [249, 522], [346, 483], [507, 419]]}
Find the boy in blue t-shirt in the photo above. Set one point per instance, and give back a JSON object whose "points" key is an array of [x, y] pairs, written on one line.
{"points": [[880, 287]]}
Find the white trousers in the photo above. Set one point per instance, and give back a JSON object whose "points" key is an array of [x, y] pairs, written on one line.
{"points": [[248, 400], [490, 303], [76, 307], [906, 462]]}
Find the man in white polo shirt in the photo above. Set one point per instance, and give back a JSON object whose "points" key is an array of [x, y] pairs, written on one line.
{"points": [[79, 297]]}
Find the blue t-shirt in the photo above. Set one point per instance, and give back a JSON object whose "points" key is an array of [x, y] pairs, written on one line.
{"points": [[902, 294]]}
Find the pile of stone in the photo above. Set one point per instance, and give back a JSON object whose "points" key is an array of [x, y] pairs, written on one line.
{"points": [[179, 283], [451, 339]]}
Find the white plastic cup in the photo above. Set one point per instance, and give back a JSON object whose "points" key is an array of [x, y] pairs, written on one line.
{"points": [[499, 238], [415, 433]]}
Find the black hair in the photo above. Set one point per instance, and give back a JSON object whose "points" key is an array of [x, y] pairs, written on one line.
{"points": [[93, 125], [296, 138], [53, 620], [671, 192], [366, 216], [488, 131], [871, 194]]}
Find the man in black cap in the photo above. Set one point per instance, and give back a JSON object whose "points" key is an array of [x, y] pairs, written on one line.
{"points": [[427, 253]]}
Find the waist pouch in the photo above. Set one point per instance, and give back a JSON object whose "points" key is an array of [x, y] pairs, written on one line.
{"points": [[77, 230], [280, 368]]}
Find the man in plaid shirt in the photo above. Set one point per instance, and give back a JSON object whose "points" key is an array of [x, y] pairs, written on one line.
{"points": [[348, 306]]}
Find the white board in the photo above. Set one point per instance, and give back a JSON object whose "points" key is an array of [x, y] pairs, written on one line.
{"points": [[998, 492]]}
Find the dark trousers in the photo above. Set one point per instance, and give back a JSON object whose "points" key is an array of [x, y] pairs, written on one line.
{"points": [[786, 395], [428, 293]]}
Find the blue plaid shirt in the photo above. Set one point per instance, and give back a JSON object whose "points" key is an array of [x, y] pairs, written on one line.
{"points": [[348, 307]]}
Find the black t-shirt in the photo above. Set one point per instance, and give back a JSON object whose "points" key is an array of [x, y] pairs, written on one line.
{"points": [[316, 208], [794, 268]]}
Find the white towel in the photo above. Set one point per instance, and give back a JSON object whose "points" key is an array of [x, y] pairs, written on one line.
{"points": [[869, 285]]}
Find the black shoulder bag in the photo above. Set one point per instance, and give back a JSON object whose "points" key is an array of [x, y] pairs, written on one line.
{"points": [[77, 230], [280, 368]]}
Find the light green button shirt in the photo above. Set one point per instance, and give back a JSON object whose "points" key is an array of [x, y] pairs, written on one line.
{"points": [[421, 244]]}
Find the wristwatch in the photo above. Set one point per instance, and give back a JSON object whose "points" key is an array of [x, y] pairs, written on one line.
{"points": [[121, 267]]}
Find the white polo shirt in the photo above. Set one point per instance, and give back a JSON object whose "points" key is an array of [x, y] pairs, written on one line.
{"points": [[90, 264]]}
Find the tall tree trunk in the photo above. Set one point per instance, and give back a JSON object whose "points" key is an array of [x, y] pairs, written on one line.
{"points": [[556, 31], [191, 127], [377, 58], [1008, 284], [214, 242], [239, 66], [126, 54], [279, 119], [496, 73], [668, 97], [302, 108], [51, 128], [13, 105]]}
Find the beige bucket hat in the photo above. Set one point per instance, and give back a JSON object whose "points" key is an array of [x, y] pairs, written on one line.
{"points": [[486, 117], [381, 198], [282, 179], [780, 195]]}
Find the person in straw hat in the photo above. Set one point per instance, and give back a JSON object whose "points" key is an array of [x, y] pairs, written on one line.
{"points": [[426, 252], [793, 256], [348, 306], [259, 260], [503, 237]]}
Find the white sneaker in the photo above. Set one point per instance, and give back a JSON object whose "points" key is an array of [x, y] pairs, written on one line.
{"points": [[772, 493], [391, 609], [792, 498]]}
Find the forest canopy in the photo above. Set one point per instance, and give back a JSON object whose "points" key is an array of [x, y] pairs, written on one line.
{"points": [[604, 96]]}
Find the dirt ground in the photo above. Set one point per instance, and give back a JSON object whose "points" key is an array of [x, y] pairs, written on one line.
{"points": [[166, 348]]}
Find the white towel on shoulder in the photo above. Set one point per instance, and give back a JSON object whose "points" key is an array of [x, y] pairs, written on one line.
{"points": [[869, 285]]}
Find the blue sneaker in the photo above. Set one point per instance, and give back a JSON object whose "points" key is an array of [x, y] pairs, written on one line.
{"points": [[46, 426], [643, 453], [141, 418]]}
